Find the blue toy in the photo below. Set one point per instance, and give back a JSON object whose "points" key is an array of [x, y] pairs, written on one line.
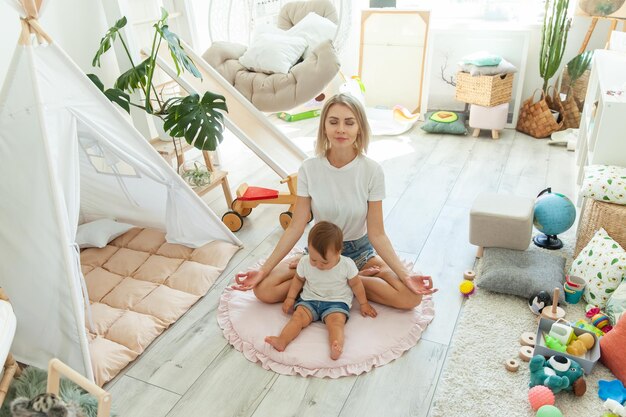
{"points": [[554, 214], [557, 373], [613, 390]]}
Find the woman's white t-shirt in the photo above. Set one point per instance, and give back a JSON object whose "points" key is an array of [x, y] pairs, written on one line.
{"points": [[340, 195], [327, 285]]}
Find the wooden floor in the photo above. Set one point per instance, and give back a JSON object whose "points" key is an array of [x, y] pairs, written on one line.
{"points": [[191, 370]]}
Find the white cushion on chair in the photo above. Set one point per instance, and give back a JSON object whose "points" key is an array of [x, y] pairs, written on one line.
{"points": [[273, 53]]}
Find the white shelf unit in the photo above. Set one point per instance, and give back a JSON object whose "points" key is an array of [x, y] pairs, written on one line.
{"points": [[602, 134]]}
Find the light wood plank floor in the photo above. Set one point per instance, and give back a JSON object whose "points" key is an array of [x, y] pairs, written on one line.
{"points": [[431, 181]]}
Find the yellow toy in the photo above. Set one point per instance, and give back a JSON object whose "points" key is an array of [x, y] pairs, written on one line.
{"points": [[466, 287]]}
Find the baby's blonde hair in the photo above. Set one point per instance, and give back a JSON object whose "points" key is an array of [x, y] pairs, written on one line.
{"points": [[363, 137]]}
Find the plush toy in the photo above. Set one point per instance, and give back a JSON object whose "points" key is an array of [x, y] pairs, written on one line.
{"points": [[557, 373]]}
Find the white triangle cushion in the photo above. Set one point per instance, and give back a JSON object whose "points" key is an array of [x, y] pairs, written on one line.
{"points": [[369, 343]]}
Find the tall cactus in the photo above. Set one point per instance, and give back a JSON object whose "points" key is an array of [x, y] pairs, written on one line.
{"points": [[556, 24]]}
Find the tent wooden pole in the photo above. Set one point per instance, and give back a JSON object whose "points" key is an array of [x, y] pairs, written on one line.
{"points": [[56, 368], [592, 26], [31, 8]]}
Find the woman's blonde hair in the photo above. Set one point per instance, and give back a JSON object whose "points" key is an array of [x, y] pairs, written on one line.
{"points": [[363, 137]]}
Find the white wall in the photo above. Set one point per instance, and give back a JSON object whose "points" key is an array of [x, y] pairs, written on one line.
{"points": [[78, 26]]}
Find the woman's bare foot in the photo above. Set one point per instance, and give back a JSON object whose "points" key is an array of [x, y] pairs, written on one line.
{"points": [[335, 350], [369, 272], [276, 343]]}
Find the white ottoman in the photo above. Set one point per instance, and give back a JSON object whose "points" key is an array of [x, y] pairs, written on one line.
{"points": [[490, 118], [501, 221]]}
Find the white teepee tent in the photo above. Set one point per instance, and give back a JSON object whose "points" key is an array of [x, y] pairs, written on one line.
{"points": [[66, 151]]}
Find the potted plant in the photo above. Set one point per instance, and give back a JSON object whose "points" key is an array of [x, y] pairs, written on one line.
{"points": [[196, 175], [556, 24], [199, 120]]}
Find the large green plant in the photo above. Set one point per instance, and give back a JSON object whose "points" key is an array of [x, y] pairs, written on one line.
{"points": [[556, 24], [199, 120]]}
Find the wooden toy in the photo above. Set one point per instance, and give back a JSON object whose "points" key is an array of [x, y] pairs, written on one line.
{"points": [[555, 312], [250, 197], [512, 365], [527, 339], [525, 353], [469, 275]]}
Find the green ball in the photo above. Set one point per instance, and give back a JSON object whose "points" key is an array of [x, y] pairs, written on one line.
{"points": [[549, 411]]}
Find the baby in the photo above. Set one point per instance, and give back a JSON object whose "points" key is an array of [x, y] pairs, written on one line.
{"points": [[329, 280]]}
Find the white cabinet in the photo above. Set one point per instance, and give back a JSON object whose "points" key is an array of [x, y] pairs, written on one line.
{"points": [[602, 135]]}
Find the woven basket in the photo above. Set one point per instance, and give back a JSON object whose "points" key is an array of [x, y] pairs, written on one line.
{"points": [[535, 118], [578, 90], [597, 214], [484, 90]]}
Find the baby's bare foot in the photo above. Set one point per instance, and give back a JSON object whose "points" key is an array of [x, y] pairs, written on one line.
{"points": [[369, 272], [335, 350], [276, 343]]}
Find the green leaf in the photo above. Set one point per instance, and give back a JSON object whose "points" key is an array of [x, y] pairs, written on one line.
{"points": [[614, 246], [590, 252], [615, 260], [580, 262], [135, 77], [593, 296], [107, 40], [118, 97], [606, 198], [179, 56], [199, 121], [609, 181], [609, 290], [577, 66], [599, 275], [94, 79]]}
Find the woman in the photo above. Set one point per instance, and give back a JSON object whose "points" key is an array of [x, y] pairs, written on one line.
{"points": [[343, 186]]}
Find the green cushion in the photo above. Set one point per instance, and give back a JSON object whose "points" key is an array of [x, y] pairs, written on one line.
{"points": [[482, 59], [445, 122]]}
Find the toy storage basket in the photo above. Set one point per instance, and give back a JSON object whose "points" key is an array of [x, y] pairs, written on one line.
{"points": [[597, 214], [484, 90]]}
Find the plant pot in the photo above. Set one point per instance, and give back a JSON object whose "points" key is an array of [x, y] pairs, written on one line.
{"points": [[161, 133], [555, 114], [195, 174]]}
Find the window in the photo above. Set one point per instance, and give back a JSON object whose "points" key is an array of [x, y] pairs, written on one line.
{"points": [[523, 11]]}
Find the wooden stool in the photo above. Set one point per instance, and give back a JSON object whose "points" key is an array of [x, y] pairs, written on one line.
{"points": [[488, 118]]}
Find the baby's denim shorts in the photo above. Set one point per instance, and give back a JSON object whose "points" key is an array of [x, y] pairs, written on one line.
{"points": [[360, 251], [320, 309]]}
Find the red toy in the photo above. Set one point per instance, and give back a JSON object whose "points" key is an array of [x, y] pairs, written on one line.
{"points": [[540, 395]]}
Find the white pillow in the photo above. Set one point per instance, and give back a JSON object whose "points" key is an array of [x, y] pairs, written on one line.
{"points": [[273, 53], [605, 183], [504, 67], [99, 233], [602, 264], [315, 29]]}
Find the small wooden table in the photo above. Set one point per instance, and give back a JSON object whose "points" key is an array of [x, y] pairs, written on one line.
{"points": [[168, 152]]}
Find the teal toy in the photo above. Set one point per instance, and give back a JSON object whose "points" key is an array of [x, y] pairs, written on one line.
{"points": [[557, 373]]}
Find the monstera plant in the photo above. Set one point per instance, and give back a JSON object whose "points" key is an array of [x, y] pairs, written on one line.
{"points": [[199, 120]]}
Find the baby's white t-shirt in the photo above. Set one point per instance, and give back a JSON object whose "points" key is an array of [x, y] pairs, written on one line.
{"points": [[327, 285], [340, 195]]}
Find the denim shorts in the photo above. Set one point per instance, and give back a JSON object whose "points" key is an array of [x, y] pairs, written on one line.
{"points": [[320, 309], [360, 251]]}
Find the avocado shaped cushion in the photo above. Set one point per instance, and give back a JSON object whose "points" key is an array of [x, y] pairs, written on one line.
{"points": [[445, 122]]}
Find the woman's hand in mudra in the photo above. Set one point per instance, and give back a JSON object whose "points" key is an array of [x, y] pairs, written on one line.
{"points": [[247, 280], [420, 284]]}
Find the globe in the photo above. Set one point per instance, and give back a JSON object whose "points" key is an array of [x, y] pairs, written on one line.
{"points": [[554, 214]]}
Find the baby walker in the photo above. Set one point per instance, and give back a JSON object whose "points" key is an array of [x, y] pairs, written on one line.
{"points": [[250, 197]]}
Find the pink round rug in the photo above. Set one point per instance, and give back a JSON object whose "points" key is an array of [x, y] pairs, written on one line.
{"points": [[368, 342]]}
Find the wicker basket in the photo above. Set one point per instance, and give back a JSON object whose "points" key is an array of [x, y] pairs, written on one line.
{"points": [[597, 214], [484, 90]]}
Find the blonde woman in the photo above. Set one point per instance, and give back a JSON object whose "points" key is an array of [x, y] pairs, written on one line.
{"points": [[342, 185]]}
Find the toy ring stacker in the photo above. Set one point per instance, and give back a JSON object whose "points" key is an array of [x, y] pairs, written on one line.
{"points": [[512, 365], [469, 275], [527, 339], [525, 353]]}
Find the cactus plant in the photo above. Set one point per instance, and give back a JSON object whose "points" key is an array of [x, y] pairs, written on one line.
{"points": [[556, 24], [577, 66]]}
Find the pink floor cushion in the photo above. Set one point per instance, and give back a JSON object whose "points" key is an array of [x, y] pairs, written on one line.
{"points": [[368, 342]]}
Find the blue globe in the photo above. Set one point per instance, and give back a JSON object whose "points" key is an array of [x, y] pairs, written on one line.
{"points": [[554, 214]]}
